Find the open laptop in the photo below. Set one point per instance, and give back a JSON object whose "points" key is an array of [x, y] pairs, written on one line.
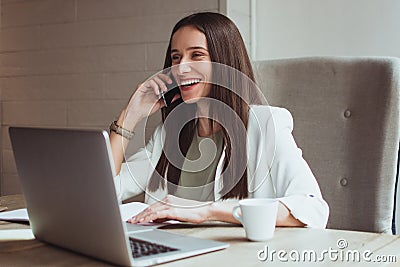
{"points": [[67, 181]]}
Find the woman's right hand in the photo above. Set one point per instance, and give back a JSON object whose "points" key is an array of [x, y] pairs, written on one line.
{"points": [[144, 102], [146, 99]]}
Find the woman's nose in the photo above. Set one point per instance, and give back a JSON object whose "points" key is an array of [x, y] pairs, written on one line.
{"points": [[184, 67]]}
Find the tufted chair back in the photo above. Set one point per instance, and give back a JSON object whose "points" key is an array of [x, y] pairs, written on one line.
{"points": [[346, 121]]}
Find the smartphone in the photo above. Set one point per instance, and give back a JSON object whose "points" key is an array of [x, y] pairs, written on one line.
{"points": [[173, 89], [169, 95]]}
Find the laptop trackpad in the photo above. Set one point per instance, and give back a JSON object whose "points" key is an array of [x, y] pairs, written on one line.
{"points": [[130, 227]]}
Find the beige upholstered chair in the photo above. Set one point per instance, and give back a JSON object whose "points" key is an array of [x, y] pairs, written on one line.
{"points": [[346, 120]]}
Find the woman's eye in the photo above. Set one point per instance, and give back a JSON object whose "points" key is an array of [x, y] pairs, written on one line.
{"points": [[175, 57], [197, 54]]}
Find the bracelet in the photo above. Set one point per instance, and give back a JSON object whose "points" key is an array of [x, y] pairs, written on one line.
{"points": [[114, 127]]}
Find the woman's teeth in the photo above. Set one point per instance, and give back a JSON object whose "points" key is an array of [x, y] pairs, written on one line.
{"points": [[190, 82]]}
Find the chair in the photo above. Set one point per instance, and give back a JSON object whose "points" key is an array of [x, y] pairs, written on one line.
{"points": [[346, 117]]}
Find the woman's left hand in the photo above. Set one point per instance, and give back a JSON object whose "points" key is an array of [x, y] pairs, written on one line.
{"points": [[174, 208]]}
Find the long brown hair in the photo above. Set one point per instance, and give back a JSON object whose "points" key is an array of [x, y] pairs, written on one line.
{"points": [[225, 46]]}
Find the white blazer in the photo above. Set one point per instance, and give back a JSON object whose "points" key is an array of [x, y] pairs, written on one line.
{"points": [[276, 168]]}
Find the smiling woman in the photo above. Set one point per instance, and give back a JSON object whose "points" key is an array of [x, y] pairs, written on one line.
{"points": [[217, 143], [188, 45]]}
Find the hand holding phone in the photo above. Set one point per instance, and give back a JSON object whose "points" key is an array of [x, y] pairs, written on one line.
{"points": [[173, 89], [169, 95]]}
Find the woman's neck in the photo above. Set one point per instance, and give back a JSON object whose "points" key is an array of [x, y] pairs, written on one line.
{"points": [[204, 124]]}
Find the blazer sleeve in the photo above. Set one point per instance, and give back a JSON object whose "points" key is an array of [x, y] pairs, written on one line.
{"points": [[135, 172], [295, 184]]}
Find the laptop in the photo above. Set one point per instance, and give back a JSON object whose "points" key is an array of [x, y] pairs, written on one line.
{"points": [[67, 181]]}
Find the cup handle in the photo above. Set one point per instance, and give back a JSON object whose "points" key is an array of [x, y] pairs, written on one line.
{"points": [[235, 213]]}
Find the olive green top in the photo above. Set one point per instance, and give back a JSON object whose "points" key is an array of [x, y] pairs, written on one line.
{"points": [[198, 171]]}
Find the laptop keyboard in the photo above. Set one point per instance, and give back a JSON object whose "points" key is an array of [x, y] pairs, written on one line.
{"points": [[142, 248]]}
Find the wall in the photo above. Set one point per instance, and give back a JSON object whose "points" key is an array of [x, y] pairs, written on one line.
{"points": [[287, 28], [239, 12], [74, 63], [1, 114]]}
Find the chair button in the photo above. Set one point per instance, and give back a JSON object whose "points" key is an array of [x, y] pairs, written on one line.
{"points": [[347, 113], [343, 182]]}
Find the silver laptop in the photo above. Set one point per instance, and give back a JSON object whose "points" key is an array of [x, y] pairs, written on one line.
{"points": [[67, 181]]}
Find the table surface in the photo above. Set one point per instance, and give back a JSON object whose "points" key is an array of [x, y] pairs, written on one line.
{"points": [[301, 246]]}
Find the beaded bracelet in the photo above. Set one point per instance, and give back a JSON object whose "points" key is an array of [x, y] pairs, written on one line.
{"points": [[114, 127]]}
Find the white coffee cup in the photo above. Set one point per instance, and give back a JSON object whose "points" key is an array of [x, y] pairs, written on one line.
{"points": [[258, 217]]}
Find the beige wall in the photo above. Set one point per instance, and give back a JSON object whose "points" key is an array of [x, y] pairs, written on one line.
{"points": [[1, 115], [287, 28], [74, 63], [239, 12]]}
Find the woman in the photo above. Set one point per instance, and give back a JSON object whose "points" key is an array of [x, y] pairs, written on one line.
{"points": [[253, 151]]}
